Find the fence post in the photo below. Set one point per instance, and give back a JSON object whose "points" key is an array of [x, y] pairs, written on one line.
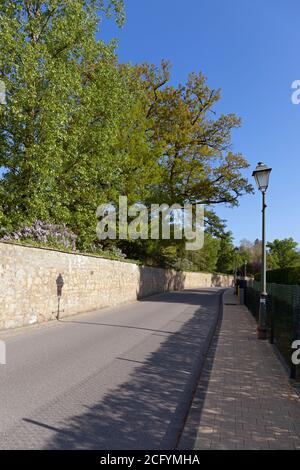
{"points": [[293, 373], [271, 293]]}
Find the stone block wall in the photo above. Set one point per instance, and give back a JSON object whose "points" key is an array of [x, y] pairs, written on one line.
{"points": [[28, 288]]}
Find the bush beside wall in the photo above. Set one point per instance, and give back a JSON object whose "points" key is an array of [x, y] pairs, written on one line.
{"points": [[290, 276]]}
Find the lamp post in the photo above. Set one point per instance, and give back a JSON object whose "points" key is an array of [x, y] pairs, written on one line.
{"points": [[235, 269], [261, 175], [235, 263]]}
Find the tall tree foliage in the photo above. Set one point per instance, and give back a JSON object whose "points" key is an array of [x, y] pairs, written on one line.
{"points": [[197, 162], [80, 129], [283, 254], [226, 255], [66, 99]]}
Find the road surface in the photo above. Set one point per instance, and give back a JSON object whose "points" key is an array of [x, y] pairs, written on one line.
{"points": [[119, 378]]}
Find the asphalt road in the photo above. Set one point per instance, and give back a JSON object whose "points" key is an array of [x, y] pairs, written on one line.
{"points": [[116, 379]]}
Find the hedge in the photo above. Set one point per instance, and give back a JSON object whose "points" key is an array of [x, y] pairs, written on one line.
{"points": [[289, 276]]}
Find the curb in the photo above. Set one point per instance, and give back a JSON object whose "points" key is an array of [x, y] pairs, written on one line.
{"points": [[176, 426]]}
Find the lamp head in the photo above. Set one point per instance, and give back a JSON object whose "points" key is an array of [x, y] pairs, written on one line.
{"points": [[261, 175]]}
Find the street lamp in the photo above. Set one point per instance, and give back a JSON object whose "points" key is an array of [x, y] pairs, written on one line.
{"points": [[261, 175], [235, 262], [245, 269]]}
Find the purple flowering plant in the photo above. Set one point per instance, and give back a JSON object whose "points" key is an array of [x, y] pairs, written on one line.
{"points": [[44, 233]]}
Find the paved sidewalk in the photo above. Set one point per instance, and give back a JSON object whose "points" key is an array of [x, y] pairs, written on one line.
{"points": [[244, 399]]}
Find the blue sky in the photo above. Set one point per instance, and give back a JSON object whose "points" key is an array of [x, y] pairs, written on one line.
{"points": [[249, 49]]}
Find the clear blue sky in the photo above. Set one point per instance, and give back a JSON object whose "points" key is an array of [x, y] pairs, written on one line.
{"points": [[249, 49]]}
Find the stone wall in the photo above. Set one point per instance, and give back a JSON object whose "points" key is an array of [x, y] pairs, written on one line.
{"points": [[29, 292]]}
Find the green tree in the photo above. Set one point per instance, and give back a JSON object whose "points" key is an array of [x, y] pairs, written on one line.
{"points": [[226, 254], [67, 100], [205, 260], [283, 254], [197, 163], [80, 129]]}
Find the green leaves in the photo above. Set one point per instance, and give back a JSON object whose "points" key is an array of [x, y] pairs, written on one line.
{"points": [[227, 255], [283, 254], [79, 129], [66, 102], [197, 162]]}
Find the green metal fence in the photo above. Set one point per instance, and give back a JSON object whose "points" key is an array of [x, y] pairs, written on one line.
{"points": [[283, 310]]}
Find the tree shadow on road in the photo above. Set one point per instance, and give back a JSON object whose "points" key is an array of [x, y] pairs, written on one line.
{"points": [[147, 410]]}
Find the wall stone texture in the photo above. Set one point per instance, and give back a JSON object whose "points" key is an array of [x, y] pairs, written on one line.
{"points": [[29, 292]]}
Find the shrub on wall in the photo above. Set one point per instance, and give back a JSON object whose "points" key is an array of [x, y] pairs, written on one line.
{"points": [[289, 276], [44, 234], [57, 237]]}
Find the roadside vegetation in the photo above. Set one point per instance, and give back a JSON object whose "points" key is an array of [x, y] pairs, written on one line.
{"points": [[80, 128]]}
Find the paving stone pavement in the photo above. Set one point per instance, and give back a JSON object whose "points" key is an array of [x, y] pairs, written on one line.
{"points": [[244, 399]]}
